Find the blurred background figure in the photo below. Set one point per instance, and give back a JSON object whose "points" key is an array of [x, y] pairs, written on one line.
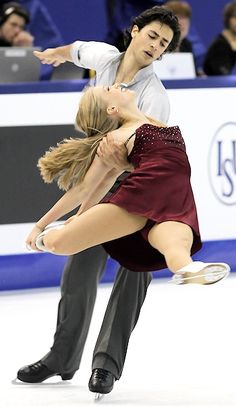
{"points": [[183, 12], [13, 21], [41, 32], [221, 55], [189, 41]]}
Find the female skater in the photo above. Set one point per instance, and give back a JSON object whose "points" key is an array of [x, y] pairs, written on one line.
{"points": [[150, 222]]}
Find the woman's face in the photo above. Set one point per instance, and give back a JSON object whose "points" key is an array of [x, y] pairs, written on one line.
{"points": [[115, 95], [149, 43]]}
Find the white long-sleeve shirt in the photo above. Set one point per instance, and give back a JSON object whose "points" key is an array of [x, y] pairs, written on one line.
{"points": [[151, 95]]}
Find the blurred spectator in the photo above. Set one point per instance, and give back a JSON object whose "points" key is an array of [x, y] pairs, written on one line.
{"points": [[183, 11], [42, 28], [221, 55], [13, 21]]}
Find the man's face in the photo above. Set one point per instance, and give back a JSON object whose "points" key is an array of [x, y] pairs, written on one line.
{"points": [[232, 25], [11, 27], [149, 43]]}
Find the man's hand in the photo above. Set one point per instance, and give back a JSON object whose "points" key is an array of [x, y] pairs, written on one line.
{"points": [[54, 56], [114, 154]]}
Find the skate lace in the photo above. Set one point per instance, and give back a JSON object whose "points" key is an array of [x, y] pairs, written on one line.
{"points": [[36, 366], [101, 374]]}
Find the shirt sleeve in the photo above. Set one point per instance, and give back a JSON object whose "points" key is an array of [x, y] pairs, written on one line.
{"points": [[92, 55]]}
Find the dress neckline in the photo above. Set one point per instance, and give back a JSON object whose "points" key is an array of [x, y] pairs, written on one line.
{"points": [[149, 125], [154, 125]]}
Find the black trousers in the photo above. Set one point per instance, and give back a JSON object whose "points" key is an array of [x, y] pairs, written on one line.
{"points": [[78, 293]]}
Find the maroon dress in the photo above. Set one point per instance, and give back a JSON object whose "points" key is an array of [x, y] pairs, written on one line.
{"points": [[159, 188]]}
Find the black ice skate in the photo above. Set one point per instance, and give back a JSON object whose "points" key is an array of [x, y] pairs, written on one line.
{"points": [[101, 382]]}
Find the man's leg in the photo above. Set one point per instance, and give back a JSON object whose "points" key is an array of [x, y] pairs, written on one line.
{"points": [[78, 293], [121, 316]]}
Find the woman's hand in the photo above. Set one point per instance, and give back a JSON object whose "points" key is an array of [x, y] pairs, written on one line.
{"points": [[30, 240], [114, 154]]}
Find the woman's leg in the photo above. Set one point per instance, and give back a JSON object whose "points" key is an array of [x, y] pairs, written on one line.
{"points": [[174, 240], [101, 223]]}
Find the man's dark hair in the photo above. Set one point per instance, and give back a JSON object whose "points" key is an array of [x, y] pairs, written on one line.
{"points": [[13, 8], [229, 11], [160, 14]]}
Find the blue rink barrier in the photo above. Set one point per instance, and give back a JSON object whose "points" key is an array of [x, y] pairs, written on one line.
{"points": [[27, 271]]}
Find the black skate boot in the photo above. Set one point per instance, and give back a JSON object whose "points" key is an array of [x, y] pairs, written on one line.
{"points": [[38, 372], [101, 382]]}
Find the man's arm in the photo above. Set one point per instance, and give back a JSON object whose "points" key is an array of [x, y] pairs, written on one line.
{"points": [[90, 55]]}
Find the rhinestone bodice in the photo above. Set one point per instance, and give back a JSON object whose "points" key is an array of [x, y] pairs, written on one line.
{"points": [[149, 139]]}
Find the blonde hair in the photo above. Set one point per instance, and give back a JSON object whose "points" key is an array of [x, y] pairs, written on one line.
{"points": [[68, 162]]}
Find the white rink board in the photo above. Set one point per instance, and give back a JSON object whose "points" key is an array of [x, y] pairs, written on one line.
{"points": [[200, 114]]}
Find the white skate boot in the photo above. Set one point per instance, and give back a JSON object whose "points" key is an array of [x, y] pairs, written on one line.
{"points": [[202, 273], [39, 240]]}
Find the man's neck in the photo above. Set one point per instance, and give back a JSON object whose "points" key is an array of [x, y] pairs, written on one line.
{"points": [[127, 69]]}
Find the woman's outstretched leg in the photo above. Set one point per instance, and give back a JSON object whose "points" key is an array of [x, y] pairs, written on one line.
{"points": [[101, 223], [174, 240]]}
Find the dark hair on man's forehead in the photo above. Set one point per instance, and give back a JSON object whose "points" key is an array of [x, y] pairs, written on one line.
{"points": [[161, 15]]}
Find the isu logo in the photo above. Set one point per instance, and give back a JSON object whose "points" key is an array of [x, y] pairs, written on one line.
{"points": [[222, 163]]}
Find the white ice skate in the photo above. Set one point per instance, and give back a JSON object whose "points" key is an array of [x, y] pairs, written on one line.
{"points": [[39, 240], [201, 273]]}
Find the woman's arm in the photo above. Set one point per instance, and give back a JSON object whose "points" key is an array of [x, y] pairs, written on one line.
{"points": [[97, 194], [97, 181], [114, 155]]}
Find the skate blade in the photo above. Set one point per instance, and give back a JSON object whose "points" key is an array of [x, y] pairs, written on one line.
{"points": [[15, 381], [211, 276], [98, 397]]}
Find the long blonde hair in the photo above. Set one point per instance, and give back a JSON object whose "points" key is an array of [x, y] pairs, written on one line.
{"points": [[68, 162]]}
